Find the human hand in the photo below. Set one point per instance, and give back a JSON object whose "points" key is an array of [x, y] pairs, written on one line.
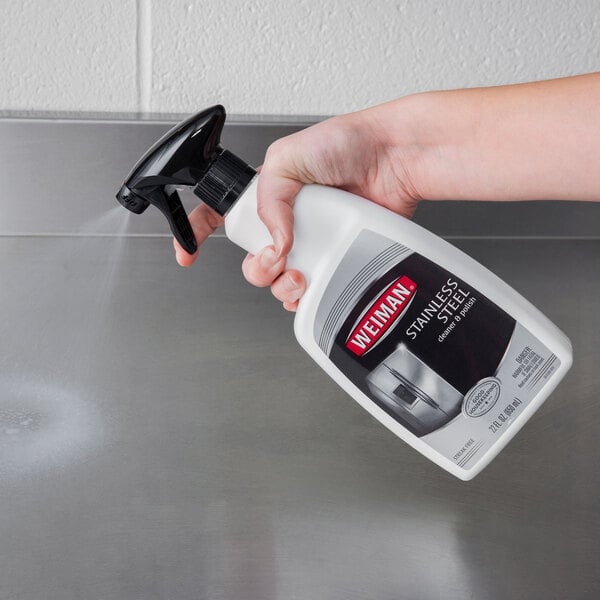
{"points": [[352, 152]]}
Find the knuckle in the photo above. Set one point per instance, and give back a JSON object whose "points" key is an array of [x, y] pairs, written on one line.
{"points": [[252, 279], [262, 208], [278, 155], [277, 293], [274, 151], [251, 273]]}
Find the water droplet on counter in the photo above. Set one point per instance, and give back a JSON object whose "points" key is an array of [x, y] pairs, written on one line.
{"points": [[43, 426]]}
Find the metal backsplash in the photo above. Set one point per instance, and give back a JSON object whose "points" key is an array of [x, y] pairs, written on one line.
{"points": [[59, 174]]}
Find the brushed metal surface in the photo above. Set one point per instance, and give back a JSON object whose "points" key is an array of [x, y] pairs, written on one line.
{"points": [[166, 437], [56, 174]]}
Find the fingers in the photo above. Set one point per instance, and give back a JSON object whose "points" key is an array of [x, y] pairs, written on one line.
{"points": [[204, 221], [266, 268], [263, 268], [288, 288], [279, 182], [277, 189], [291, 306]]}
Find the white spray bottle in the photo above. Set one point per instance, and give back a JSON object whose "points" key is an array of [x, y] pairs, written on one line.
{"points": [[431, 343]]}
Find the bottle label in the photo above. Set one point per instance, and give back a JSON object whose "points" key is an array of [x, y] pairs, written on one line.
{"points": [[434, 353]]}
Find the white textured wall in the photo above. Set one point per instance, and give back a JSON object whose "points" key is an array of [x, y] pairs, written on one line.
{"points": [[280, 56], [68, 55]]}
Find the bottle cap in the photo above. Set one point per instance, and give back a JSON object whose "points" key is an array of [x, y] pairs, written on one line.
{"points": [[224, 181]]}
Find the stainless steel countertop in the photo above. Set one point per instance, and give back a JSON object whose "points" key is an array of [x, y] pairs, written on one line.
{"points": [[166, 437]]}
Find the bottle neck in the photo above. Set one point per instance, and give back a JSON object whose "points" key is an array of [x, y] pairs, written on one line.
{"points": [[242, 223], [224, 181]]}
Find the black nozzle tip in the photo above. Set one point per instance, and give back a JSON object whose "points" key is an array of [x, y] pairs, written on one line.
{"points": [[131, 201]]}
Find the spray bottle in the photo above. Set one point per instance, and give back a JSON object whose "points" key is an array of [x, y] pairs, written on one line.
{"points": [[431, 343]]}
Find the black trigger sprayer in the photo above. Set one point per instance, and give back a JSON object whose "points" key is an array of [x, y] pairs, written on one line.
{"points": [[188, 155]]}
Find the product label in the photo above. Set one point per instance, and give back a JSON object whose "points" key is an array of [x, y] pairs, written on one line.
{"points": [[429, 349]]}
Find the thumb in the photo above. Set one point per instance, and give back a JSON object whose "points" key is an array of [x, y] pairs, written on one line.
{"points": [[276, 192]]}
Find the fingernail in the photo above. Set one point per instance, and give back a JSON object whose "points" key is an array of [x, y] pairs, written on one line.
{"points": [[278, 240], [178, 256], [289, 283], [268, 258], [291, 286]]}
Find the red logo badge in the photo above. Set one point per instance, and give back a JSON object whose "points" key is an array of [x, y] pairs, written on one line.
{"points": [[381, 315]]}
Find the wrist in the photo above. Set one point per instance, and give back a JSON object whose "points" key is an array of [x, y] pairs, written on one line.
{"points": [[434, 135]]}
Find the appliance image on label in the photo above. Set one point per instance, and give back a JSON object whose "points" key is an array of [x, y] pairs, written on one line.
{"points": [[414, 391]]}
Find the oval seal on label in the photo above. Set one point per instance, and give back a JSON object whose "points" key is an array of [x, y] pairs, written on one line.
{"points": [[481, 398]]}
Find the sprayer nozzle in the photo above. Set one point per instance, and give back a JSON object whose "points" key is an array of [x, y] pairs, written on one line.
{"points": [[131, 201], [180, 158], [188, 155]]}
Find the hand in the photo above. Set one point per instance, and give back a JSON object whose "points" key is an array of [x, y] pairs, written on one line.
{"points": [[352, 152]]}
